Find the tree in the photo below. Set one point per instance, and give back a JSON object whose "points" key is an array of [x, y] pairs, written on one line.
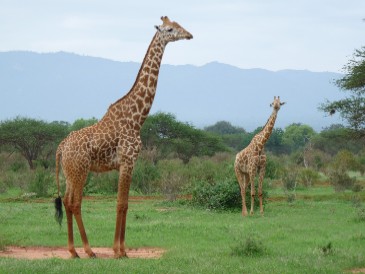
{"points": [[81, 123], [334, 138], [31, 137], [234, 137], [352, 108], [223, 127], [296, 136], [163, 131]]}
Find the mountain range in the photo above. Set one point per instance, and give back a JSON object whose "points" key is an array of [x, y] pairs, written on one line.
{"points": [[64, 87]]}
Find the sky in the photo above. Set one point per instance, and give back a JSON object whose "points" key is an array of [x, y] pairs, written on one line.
{"points": [[315, 35]]}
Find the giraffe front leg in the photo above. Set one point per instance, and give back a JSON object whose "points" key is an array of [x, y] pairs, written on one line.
{"points": [[261, 180], [252, 182], [125, 178], [242, 183], [80, 224]]}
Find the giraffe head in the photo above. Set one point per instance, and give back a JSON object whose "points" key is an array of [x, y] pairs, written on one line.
{"points": [[172, 31], [276, 104]]}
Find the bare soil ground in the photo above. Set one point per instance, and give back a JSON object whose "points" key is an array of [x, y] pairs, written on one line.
{"points": [[35, 252]]}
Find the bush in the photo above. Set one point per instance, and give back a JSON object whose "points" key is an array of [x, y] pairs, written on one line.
{"points": [[341, 180], [222, 195], [289, 178], [172, 179], [144, 174], [104, 183], [307, 177], [250, 246], [273, 167], [40, 183]]}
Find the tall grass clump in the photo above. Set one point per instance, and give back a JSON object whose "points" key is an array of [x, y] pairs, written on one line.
{"points": [[249, 246]]}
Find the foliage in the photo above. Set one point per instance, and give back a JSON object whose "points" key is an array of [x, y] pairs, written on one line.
{"points": [[274, 167], [352, 108], [344, 161], [81, 123], [308, 177], [222, 195], [102, 183], [145, 174], [172, 178], [223, 128], [297, 136], [341, 180], [290, 178], [250, 246], [174, 138], [31, 137], [40, 183], [217, 195], [334, 138]]}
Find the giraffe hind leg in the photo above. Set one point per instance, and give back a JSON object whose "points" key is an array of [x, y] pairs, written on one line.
{"points": [[69, 216], [242, 180], [72, 203]]}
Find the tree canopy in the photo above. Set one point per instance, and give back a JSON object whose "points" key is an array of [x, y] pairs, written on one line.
{"points": [[163, 131], [351, 108], [31, 137]]}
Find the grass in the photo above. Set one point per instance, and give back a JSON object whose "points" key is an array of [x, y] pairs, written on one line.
{"points": [[307, 236]]}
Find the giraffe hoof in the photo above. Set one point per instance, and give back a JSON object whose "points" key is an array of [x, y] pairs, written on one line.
{"points": [[92, 255], [75, 256], [121, 256]]}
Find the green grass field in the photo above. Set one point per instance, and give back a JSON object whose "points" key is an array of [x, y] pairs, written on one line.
{"points": [[290, 238]]}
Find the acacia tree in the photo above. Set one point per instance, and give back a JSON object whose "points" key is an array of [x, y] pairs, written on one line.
{"points": [[31, 137], [169, 136], [352, 108]]}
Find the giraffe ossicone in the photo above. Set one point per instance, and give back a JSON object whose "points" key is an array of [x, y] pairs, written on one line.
{"points": [[113, 143], [252, 160]]}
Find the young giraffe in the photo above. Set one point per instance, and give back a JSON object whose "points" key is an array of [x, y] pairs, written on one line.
{"points": [[252, 160], [113, 143]]}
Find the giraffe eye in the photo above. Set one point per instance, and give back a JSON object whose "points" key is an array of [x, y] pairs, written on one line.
{"points": [[170, 30]]}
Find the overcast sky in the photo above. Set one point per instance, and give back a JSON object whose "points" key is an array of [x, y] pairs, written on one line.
{"points": [[316, 35]]}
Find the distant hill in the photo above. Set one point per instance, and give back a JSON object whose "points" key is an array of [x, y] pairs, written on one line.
{"points": [[64, 86]]}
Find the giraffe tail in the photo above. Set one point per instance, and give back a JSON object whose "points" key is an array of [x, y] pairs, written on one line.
{"points": [[58, 200]]}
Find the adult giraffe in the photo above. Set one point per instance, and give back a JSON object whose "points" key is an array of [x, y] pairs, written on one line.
{"points": [[112, 143], [252, 160]]}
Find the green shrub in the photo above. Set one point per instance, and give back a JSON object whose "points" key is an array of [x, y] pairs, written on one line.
{"points": [[222, 195], [308, 177], [250, 246], [17, 166], [340, 180], [360, 214], [273, 167], [40, 182], [144, 174], [172, 177], [289, 178], [357, 187]]}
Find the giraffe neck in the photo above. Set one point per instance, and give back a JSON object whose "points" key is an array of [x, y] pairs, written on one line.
{"points": [[136, 104], [265, 133]]}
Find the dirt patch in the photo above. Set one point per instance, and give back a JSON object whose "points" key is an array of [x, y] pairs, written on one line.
{"points": [[33, 252], [358, 270]]}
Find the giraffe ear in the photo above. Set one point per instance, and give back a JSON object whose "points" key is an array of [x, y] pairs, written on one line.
{"points": [[283, 103], [158, 28]]}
